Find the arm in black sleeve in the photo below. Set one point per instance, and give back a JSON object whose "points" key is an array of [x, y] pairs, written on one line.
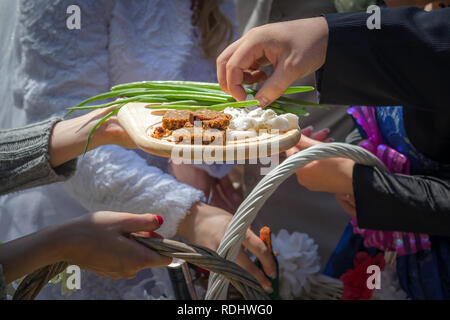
{"points": [[406, 62], [396, 202]]}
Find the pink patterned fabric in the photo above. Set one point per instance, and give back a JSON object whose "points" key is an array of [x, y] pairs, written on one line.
{"points": [[401, 242]]}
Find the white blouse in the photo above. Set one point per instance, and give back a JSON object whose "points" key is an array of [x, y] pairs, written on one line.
{"points": [[50, 68]]}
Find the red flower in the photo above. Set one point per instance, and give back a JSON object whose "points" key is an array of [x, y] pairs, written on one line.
{"points": [[355, 280]]}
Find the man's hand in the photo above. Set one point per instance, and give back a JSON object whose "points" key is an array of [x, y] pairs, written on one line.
{"points": [[295, 48]]}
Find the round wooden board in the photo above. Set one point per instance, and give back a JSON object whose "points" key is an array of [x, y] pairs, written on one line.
{"points": [[139, 121]]}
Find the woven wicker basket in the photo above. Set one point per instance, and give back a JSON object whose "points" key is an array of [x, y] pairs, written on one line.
{"points": [[221, 264]]}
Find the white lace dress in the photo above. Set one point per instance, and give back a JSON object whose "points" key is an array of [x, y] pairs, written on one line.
{"points": [[46, 67]]}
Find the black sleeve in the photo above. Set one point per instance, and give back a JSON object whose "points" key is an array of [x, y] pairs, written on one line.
{"points": [[406, 62], [396, 202]]}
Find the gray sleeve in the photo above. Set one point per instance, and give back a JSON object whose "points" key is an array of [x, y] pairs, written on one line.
{"points": [[24, 158], [2, 285]]}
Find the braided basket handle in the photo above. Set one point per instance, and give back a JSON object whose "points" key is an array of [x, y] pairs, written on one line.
{"points": [[202, 257], [223, 269], [247, 211]]}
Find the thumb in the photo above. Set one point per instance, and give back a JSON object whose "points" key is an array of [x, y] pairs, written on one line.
{"points": [[140, 222], [275, 85]]}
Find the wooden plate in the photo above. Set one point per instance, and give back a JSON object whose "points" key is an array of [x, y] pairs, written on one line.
{"points": [[140, 122]]}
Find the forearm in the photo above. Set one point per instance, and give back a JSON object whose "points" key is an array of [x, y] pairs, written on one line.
{"points": [[69, 137], [24, 255], [395, 202]]}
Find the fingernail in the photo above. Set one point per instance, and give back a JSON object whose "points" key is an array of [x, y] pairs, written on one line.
{"points": [[327, 130], [263, 102], [308, 128], [273, 275], [269, 290], [160, 220], [155, 235], [331, 139]]}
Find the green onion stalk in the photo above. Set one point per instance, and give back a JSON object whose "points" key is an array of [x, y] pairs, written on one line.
{"points": [[190, 95]]}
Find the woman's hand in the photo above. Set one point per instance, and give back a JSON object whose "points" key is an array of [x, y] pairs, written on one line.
{"points": [[219, 192], [328, 175], [98, 242], [277, 44], [205, 225], [320, 135], [69, 137]]}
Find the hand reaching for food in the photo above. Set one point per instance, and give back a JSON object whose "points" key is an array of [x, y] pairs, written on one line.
{"points": [[205, 225]]}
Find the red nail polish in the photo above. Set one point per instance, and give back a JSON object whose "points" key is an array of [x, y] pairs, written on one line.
{"points": [[155, 235], [160, 220]]}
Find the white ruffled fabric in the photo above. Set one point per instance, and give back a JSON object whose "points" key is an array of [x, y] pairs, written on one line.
{"points": [[47, 68], [130, 185], [298, 262]]}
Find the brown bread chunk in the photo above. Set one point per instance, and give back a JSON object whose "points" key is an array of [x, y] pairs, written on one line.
{"points": [[212, 119], [175, 119], [193, 135]]}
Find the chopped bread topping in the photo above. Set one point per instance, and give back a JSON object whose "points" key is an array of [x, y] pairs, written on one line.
{"points": [[175, 119], [194, 135], [212, 119], [183, 126], [213, 124]]}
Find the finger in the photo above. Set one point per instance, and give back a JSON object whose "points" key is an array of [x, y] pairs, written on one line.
{"points": [[260, 250], [348, 207], [292, 151], [306, 142], [140, 222], [307, 131], [242, 59], [149, 234], [329, 140], [254, 77], [221, 64], [275, 85], [229, 192], [141, 257], [244, 261], [321, 134]]}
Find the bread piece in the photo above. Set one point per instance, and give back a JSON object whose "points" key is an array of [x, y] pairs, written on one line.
{"points": [[212, 119], [175, 119], [193, 135]]}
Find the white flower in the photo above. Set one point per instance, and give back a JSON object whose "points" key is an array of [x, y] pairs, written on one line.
{"points": [[298, 262]]}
